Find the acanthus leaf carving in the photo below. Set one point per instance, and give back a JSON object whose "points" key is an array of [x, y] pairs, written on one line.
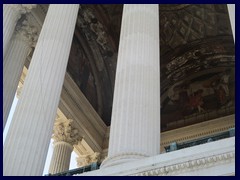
{"points": [[65, 131], [88, 159], [27, 32]]}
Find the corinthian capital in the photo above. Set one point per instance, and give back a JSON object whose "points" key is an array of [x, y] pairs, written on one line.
{"points": [[64, 131], [27, 32], [88, 159], [83, 161]]}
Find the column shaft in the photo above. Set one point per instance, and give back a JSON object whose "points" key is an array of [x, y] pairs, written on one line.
{"points": [[61, 157], [65, 135], [12, 69], [10, 17], [135, 124], [231, 12], [27, 142]]}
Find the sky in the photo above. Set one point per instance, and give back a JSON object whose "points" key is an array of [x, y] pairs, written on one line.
{"points": [[73, 163]]}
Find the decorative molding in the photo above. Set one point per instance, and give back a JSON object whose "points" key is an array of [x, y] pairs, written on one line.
{"points": [[215, 158], [27, 32], [85, 154], [88, 19], [198, 130], [95, 157], [83, 161], [187, 133], [191, 165], [88, 159], [198, 135], [65, 131]]}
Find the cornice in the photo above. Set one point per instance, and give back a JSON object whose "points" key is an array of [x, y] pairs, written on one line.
{"points": [[191, 165]]}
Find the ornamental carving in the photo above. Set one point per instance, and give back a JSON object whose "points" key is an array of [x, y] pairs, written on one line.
{"points": [[88, 19], [65, 131], [27, 32], [88, 159], [195, 164]]}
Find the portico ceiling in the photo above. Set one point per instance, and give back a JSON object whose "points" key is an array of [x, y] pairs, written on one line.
{"points": [[196, 49]]}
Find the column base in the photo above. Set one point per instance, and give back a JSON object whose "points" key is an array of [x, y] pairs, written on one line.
{"points": [[121, 159]]}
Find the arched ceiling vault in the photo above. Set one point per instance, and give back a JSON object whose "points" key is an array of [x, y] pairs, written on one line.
{"points": [[197, 53]]}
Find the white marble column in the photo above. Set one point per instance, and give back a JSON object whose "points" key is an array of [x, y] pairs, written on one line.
{"points": [[231, 12], [135, 124], [20, 46], [64, 136], [26, 145], [11, 14]]}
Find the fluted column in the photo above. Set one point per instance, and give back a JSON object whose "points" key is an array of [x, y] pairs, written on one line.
{"points": [[11, 14], [20, 46], [64, 136], [28, 138], [231, 12], [135, 123]]}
